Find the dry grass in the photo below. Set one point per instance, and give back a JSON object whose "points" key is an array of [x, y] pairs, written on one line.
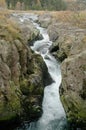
{"points": [[76, 18], [8, 28]]}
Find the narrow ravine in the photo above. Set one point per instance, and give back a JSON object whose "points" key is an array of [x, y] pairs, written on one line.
{"points": [[53, 117]]}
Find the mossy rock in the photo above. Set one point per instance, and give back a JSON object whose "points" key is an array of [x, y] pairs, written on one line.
{"points": [[32, 107], [75, 111], [10, 107]]}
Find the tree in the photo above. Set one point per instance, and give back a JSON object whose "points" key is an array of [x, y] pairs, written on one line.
{"points": [[18, 5], [2, 4], [39, 4]]}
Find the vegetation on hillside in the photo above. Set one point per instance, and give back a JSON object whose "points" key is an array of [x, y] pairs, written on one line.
{"points": [[8, 28], [75, 18], [76, 4], [36, 4], [73, 5]]}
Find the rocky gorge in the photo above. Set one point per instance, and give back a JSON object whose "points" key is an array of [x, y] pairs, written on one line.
{"points": [[22, 73], [69, 47]]}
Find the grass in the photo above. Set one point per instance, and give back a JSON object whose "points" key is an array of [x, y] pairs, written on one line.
{"points": [[75, 18], [8, 28]]}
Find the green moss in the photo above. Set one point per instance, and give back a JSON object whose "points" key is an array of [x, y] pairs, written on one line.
{"points": [[10, 106], [10, 31], [36, 109], [8, 117], [76, 111], [8, 111], [26, 87], [61, 55]]}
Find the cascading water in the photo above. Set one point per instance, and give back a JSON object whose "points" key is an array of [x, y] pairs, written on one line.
{"points": [[53, 117]]}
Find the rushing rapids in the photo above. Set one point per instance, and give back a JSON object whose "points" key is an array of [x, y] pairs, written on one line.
{"points": [[53, 117]]}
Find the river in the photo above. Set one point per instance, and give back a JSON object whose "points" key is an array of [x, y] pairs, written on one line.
{"points": [[53, 117]]}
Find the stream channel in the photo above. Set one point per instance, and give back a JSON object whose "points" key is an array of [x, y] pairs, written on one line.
{"points": [[53, 117]]}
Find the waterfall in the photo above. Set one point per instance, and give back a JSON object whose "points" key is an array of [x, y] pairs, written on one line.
{"points": [[53, 117]]}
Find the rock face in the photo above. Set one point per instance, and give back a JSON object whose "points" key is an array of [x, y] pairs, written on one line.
{"points": [[73, 93], [70, 40], [45, 20], [70, 48], [21, 72]]}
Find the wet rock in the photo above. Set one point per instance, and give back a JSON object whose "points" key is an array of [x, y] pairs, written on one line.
{"points": [[53, 48]]}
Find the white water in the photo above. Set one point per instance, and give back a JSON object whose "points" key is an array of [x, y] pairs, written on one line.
{"points": [[53, 117]]}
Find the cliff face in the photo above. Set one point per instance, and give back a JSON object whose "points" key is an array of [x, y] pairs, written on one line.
{"points": [[21, 71], [69, 46], [73, 90]]}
